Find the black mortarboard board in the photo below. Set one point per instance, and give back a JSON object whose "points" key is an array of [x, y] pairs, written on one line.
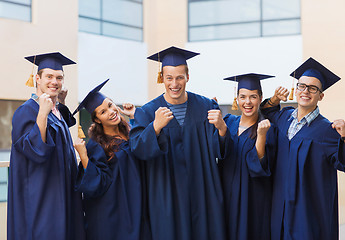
{"points": [[93, 99], [53, 60], [250, 81], [173, 56], [313, 68]]}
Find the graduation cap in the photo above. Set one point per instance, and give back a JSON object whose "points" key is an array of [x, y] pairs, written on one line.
{"points": [[93, 99], [53, 61], [313, 68], [172, 56], [250, 81]]}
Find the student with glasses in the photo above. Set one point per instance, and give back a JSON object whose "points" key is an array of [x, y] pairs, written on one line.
{"points": [[310, 150]]}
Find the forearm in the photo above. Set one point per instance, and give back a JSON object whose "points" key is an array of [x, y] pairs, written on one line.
{"points": [[84, 160], [272, 102], [260, 145]]}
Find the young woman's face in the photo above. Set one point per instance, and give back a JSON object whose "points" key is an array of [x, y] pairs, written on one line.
{"points": [[249, 102], [108, 114]]}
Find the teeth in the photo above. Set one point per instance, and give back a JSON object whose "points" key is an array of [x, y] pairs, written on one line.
{"points": [[175, 90]]}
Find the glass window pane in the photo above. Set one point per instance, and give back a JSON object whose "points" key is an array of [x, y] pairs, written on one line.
{"points": [[115, 30], [14, 11], [26, 2], [218, 12], [90, 8], [286, 27], [3, 183], [280, 9], [224, 32], [125, 12], [88, 25]]}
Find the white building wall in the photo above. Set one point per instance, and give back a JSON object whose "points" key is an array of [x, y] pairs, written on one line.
{"points": [[277, 56], [123, 61]]}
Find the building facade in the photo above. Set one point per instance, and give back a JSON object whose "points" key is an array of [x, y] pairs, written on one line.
{"points": [[112, 38]]}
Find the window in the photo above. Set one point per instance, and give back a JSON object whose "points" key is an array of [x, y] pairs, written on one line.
{"points": [[16, 9], [228, 19], [114, 18]]}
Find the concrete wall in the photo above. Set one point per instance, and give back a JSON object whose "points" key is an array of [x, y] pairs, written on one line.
{"points": [[54, 27], [165, 25], [323, 27]]}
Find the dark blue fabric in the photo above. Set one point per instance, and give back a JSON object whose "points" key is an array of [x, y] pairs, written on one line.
{"points": [[67, 115], [184, 189], [305, 194], [246, 184], [113, 195], [53, 61], [42, 203]]}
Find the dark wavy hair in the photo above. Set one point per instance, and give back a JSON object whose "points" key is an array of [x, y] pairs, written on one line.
{"points": [[253, 131], [110, 144]]}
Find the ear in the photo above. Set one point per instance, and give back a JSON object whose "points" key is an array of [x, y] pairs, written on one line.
{"points": [[187, 77], [37, 79], [321, 96], [97, 121]]}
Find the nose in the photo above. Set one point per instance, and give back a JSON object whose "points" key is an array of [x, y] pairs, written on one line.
{"points": [[247, 100], [54, 80]]}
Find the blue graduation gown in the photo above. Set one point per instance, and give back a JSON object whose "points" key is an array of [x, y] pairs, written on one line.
{"points": [[67, 115], [246, 184], [305, 194], [113, 200], [42, 203], [184, 190]]}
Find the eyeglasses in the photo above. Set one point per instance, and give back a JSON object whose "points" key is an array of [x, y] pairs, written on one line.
{"points": [[311, 88]]}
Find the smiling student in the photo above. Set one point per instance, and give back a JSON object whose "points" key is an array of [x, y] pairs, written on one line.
{"points": [[109, 174], [42, 203], [176, 140], [245, 171], [310, 149]]}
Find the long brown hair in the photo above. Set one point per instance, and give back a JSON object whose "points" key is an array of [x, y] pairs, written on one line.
{"points": [[253, 131], [110, 144]]}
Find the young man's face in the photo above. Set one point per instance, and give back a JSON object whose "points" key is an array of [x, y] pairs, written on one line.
{"points": [[305, 98], [175, 80], [50, 82]]}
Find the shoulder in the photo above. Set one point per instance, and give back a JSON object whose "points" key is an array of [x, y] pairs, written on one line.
{"points": [[92, 145], [324, 127], [152, 105], [27, 111], [231, 118], [202, 100]]}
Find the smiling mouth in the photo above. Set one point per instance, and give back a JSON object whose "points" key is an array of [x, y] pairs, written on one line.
{"points": [[305, 98], [113, 117], [175, 90]]}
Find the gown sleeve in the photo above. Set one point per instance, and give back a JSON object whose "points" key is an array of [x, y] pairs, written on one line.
{"points": [[262, 167], [334, 149], [95, 180], [26, 136], [143, 140], [67, 115]]}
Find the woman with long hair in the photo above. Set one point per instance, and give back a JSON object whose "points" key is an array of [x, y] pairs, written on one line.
{"points": [[245, 170], [109, 175]]}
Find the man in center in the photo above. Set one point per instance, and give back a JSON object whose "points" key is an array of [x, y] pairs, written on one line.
{"points": [[177, 135]]}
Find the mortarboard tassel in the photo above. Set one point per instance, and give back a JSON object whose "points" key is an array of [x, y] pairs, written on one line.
{"points": [[234, 103], [159, 77], [80, 132], [292, 89], [30, 81]]}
